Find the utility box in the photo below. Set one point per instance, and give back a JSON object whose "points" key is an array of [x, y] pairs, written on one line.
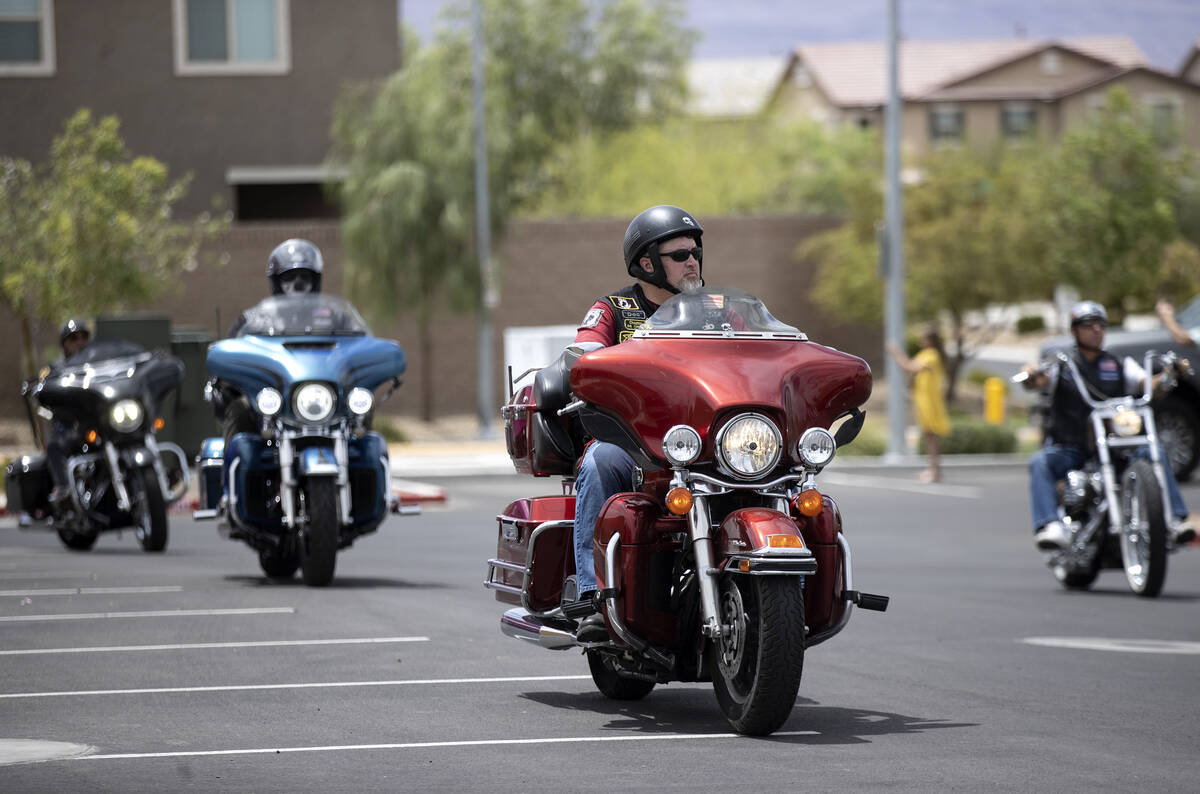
{"points": [[533, 347], [194, 420]]}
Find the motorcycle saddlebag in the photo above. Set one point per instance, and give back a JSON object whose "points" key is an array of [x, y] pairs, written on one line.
{"points": [[538, 441], [27, 484], [552, 560]]}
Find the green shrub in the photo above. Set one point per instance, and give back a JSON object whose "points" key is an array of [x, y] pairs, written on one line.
{"points": [[1030, 323], [974, 437], [977, 377], [388, 429], [869, 442]]}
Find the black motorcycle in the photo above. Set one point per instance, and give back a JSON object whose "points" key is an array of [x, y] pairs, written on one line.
{"points": [[107, 398]]}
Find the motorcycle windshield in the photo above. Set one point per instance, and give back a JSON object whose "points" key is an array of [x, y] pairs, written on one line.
{"points": [[683, 372], [310, 314], [715, 311]]}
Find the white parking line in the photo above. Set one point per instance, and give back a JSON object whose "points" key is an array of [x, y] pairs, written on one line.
{"points": [[163, 613], [908, 486], [1118, 645], [315, 685], [206, 645], [47, 575], [58, 591], [431, 745]]}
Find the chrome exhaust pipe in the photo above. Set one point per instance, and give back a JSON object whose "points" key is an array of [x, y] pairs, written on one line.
{"points": [[520, 624]]}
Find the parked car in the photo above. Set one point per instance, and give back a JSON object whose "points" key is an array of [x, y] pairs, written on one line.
{"points": [[1177, 414]]}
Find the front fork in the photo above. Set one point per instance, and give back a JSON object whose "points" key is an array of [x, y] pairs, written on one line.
{"points": [[288, 482], [700, 529]]}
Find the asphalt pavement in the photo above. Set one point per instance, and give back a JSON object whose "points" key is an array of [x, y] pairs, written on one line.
{"points": [[189, 671]]}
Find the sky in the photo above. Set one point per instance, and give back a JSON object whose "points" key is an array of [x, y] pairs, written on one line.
{"points": [[1164, 29]]}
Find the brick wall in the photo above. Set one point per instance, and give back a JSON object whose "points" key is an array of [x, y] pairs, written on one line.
{"points": [[552, 271]]}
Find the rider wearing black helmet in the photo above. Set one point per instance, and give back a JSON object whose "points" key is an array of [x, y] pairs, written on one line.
{"points": [[1066, 445], [73, 337], [293, 268], [662, 251]]}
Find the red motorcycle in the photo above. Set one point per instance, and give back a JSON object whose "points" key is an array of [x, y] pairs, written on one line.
{"points": [[726, 562]]}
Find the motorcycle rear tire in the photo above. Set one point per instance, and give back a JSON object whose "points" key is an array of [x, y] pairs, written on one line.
{"points": [[756, 668], [78, 541], [279, 564], [150, 513], [612, 685], [1076, 580], [318, 547], [1144, 556]]}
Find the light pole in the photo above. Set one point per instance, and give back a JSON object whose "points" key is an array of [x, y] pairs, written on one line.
{"points": [[488, 299], [893, 254]]}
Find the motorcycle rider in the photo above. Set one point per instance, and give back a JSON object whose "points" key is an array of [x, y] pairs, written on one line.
{"points": [[73, 337], [662, 251], [293, 268], [1066, 445]]}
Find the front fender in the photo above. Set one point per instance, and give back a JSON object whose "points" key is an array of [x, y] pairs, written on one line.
{"points": [[317, 462], [762, 541]]}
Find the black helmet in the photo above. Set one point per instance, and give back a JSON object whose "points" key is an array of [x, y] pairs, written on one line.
{"points": [[294, 254], [646, 230], [1086, 312], [73, 326]]}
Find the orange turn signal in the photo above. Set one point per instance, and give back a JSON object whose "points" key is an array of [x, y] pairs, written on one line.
{"points": [[744, 566], [785, 542], [809, 503], [679, 501], [159, 424], [91, 436]]}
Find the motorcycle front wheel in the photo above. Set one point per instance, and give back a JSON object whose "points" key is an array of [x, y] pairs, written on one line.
{"points": [[318, 547], [759, 659], [1144, 535], [150, 512]]}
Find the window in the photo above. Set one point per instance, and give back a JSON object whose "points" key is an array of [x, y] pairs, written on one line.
{"points": [[224, 37], [27, 38], [1018, 120], [946, 123], [1163, 113]]}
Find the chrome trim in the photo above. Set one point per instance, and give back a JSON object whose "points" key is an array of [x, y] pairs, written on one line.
{"points": [[74, 462], [799, 336], [520, 625], [341, 454], [664, 660], [177, 451], [772, 566], [745, 486], [118, 479], [233, 499], [287, 481], [698, 528], [205, 515], [848, 584], [545, 526]]}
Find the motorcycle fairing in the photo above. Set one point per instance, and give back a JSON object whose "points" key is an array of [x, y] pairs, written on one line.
{"points": [[659, 382], [253, 363], [823, 606]]}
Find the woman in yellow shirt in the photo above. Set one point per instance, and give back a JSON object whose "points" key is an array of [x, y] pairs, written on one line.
{"points": [[928, 396]]}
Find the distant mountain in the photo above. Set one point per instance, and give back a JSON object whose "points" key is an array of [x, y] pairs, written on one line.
{"points": [[1164, 29]]}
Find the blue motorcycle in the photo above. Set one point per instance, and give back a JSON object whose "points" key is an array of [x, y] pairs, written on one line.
{"points": [[300, 475]]}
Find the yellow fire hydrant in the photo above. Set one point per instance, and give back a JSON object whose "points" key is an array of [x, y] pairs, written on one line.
{"points": [[993, 401]]}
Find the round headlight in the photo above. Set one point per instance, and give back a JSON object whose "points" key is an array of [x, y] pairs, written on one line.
{"points": [[268, 401], [126, 415], [1127, 423], [681, 445], [314, 402], [360, 400], [816, 447], [749, 445]]}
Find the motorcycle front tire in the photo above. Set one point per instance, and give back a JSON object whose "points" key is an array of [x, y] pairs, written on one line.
{"points": [[1144, 549], [150, 513], [318, 547], [756, 666]]}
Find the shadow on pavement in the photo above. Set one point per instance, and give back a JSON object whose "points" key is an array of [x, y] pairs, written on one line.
{"points": [[696, 711], [339, 583]]}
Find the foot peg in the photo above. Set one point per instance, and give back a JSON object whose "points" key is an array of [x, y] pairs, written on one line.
{"points": [[875, 603]]}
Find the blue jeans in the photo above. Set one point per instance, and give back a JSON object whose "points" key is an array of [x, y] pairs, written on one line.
{"points": [[606, 469], [1052, 462]]}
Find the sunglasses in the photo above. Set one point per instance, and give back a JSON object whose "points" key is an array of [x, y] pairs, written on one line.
{"points": [[295, 275], [77, 335], [683, 254]]}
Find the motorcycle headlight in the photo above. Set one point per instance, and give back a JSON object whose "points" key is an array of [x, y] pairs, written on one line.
{"points": [[314, 402], [360, 400], [681, 445], [816, 447], [268, 401], [126, 415], [1127, 423], [749, 445]]}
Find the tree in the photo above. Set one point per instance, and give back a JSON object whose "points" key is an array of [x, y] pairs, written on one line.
{"points": [[554, 71], [90, 230], [1108, 207]]}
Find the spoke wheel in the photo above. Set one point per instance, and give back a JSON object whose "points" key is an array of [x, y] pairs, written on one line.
{"points": [[1144, 535], [759, 659], [1179, 432]]}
